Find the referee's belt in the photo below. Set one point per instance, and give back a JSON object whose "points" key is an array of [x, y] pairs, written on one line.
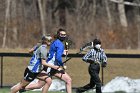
{"points": [[95, 62]]}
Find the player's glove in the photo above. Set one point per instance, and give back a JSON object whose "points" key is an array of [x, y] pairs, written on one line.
{"points": [[104, 64], [64, 67], [81, 49]]}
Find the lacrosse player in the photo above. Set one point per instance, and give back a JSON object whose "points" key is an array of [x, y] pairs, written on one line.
{"points": [[43, 75], [34, 68], [95, 57], [57, 49], [55, 58]]}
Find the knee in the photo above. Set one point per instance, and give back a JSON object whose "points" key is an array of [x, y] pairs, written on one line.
{"points": [[49, 81], [69, 81]]}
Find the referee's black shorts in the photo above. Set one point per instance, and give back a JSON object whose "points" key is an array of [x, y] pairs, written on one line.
{"points": [[29, 76]]}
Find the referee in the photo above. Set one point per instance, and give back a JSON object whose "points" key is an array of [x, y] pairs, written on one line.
{"points": [[95, 57]]}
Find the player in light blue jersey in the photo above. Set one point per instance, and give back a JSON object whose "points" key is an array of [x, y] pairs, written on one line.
{"points": [[46, 70], [37, 62]]}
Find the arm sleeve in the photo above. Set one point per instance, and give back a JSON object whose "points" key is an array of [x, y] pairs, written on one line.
{"points": [[59, 53], [87, 56], [35, 47], [104, 57], [43, 52]]}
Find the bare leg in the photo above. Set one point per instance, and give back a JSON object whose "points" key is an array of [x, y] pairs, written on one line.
{"points": [[37, 85], [19, 86], [67, 79], [15, 86], [44, 80], [47, 85]]}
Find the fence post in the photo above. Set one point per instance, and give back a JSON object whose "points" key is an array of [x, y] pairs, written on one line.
{"points": [[1, 85]]}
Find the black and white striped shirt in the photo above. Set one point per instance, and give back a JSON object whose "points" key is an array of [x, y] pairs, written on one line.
{"points": [[96, 56]]}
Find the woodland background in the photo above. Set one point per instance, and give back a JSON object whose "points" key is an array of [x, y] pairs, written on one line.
{"points": [[115, 22]]}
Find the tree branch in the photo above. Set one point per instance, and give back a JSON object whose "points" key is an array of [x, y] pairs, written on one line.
{"points": [[126, 3]]}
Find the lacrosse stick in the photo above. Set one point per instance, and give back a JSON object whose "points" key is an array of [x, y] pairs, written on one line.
{"points": [[71, 57]]}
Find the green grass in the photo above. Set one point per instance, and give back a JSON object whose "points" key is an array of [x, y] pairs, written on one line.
{"points": [[7, 90]]}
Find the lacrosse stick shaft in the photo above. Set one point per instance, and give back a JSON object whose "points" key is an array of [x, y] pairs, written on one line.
{"points": [[102, 75], [71, 57], [102, 69], [66, 47]]}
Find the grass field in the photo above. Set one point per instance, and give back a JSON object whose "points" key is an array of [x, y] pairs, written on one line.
{"points": [[6, 90]]}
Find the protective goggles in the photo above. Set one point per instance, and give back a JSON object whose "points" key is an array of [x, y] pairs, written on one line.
{"points": [[62, 35]]}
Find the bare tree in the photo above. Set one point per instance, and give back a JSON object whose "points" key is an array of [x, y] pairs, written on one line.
{"points": [[122, 14], [42, 16], [108, 13], [126, 3], [14, 21], [7, 14], [137, 11], [138, 26]]}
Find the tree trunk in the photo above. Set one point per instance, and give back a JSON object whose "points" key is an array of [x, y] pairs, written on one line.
{"points": [[137, 12], [7, 14], [14, 21], [62, 13], [122, 14], [78, 25], [108, 14], [93, 17], [138, 27], [42, 17], [44, 3]]}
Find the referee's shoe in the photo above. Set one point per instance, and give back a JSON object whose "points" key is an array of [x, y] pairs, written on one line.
{"points": [[79, 90], [22, 90]]}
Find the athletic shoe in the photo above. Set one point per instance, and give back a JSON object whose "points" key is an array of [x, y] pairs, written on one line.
{"points": [[22, 90]]}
